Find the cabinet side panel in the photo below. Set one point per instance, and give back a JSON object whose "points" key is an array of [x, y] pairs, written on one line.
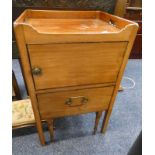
{"points": [[28, 77]]}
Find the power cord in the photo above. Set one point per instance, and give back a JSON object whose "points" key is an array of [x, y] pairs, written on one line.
{"points": [[132, 81]]}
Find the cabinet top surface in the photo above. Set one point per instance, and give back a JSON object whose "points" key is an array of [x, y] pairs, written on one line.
{"points": [[71, 25], [72, 22]]}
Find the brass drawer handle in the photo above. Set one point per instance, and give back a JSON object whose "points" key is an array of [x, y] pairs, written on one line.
{"points": [[36, 71], [69, 101]]}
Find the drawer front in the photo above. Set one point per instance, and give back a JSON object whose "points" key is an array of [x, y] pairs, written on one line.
{"points": [[74, 102], [61, 65]]}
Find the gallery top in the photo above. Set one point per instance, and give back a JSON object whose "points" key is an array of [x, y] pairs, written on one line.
{"points": [[74, 22]]}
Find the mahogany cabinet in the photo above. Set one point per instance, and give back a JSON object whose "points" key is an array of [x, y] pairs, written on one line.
{"points": [[73, 62]]}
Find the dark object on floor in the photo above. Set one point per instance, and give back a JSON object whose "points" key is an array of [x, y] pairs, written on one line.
{"points": [[136, 148], [15, 88]]}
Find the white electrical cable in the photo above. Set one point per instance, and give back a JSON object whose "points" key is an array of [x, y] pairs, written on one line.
{"points": [[132, 81]]}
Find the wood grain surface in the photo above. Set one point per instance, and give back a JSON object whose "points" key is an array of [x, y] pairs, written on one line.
{"points": [[76, 64]]}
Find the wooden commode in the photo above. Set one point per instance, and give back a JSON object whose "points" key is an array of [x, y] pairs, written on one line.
{"points": [[73, 62]]}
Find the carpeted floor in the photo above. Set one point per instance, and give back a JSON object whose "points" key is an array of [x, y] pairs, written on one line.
{"points": [[74, 134]]}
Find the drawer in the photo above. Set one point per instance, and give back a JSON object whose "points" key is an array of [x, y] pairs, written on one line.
{"points": [[60, 65], [74, 102]]}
